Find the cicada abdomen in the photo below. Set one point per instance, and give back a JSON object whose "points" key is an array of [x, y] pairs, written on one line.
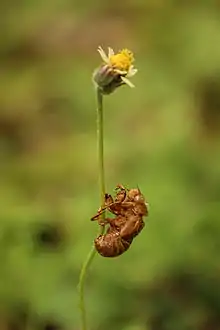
{"points": [[111, 244]]}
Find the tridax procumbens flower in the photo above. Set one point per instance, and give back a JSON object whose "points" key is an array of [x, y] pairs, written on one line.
{"points": [[115, 70]]}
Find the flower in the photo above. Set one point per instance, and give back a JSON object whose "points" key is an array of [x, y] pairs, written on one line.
{"points": [[115, 70]]}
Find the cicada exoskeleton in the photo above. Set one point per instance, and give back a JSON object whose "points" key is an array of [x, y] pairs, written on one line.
{"points": [[129, 207]]}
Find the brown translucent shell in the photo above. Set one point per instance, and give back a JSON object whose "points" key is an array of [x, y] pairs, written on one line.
{"points": [[128, 207]]}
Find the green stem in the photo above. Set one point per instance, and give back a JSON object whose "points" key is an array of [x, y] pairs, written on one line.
{"points": [[100, 139], [91, 255]]}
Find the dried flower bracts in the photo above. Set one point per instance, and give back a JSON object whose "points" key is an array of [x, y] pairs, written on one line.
{"points": [[129, 208]]}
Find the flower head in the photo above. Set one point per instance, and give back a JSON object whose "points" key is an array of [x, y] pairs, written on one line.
{"points": [[115, 70]]}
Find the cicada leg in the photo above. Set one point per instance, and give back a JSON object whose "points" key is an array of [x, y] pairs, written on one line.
{"points": [[97, 215]]}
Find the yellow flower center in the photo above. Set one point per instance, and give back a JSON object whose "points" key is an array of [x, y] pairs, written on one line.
{"points": [[123, 60]]}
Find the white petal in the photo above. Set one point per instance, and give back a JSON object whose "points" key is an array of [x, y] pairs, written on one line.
{"points": [[132, 72], [103, 54], [120, 72], [110, 52], [127, 82]]}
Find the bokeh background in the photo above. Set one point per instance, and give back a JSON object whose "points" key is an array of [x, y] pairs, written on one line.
{"points": [[163, 136]]}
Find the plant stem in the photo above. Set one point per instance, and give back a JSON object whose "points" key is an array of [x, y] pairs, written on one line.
{"points": [[91, 255], [100, 139]]}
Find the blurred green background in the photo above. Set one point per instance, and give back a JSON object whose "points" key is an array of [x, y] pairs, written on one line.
{"points": [[163, 136]]}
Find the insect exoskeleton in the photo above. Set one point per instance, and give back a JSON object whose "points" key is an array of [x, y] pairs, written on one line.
{"points": [[112, 244]]}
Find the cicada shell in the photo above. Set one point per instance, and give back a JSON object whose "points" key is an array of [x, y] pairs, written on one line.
{"points": [[129, 208]]}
